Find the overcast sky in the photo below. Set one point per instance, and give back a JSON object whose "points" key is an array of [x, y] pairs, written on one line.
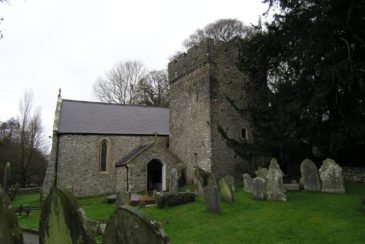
{"points": [[49, 44]]}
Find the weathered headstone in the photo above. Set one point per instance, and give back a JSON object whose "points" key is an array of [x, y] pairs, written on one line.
{"points": [[230, 181], [291, 187], [123, 198], [261, 172], [211, 198], [331, 177], [129, 225], [258, 188], [247, 183], [274, 184], [174, 181], [211, 180], [60, 220], [201, 179], [9, 229], [225, 190], [310, 176]]}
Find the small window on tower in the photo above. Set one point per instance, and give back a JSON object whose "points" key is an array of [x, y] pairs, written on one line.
{"points": [[244, 134]]}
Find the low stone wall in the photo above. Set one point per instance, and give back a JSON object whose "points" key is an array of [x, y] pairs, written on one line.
{"points": [[355, 174]]}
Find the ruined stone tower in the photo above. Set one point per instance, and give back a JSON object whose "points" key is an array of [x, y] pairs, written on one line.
{"points": [[205, 82]]}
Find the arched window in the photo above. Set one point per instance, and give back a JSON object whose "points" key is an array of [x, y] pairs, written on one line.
{"points": [[103, 155]]}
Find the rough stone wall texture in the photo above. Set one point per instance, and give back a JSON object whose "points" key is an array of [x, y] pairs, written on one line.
{"points": [[190, 109], [78, 161], [201, 81], [121, 182], [137, 168], [354, 174], [227, 85]]}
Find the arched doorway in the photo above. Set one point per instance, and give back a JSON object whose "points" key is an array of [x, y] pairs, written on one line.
{"points": [[155, 175]]}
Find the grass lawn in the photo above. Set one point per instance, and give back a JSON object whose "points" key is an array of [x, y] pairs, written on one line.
{"points": [[307, 217]]}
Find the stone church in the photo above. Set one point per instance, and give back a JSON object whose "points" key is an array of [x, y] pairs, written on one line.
{"points": [[102, 148]]}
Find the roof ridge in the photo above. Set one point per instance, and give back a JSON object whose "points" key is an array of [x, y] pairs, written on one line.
{"points": [[116, 104]]}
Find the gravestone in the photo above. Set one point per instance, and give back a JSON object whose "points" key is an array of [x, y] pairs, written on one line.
{"points": [[247, 183], [123, 198], [119, 200], [261, 172], [225, 190], [211, 199], [274, 183], [211, 180], [201, 178], [291, 187], [174, 181], [258, 188], [60, 220], [331, 177], [9, 229], [310, 176], [230, 181], [129, 225]]}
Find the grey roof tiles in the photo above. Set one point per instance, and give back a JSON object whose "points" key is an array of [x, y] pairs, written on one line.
{"points": [[80, 117]]}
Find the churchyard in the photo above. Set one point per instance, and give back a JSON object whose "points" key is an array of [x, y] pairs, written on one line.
{"points": [[322, 208], [306, 217]]}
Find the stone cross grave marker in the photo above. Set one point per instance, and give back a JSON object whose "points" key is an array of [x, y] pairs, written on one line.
{"points": [[247, 183], [60, 220], [129, 225], [211, 198], [310, 176], [331, 177]]}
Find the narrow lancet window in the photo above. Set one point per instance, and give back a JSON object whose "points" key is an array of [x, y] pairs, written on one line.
{"points": [[103, 152], [244, 134]]}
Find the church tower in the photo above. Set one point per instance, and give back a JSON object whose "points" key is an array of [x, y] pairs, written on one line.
{"points": [[206, 88]]}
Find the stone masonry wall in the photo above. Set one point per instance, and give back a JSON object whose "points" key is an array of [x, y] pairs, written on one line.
{"points": [[190, 109], [78, 161], [355, 174], [138, 167], [201, 81], [227, 87]]}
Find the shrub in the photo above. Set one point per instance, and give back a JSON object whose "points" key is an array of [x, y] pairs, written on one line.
{"points": [[363, 202], [170, 200]]}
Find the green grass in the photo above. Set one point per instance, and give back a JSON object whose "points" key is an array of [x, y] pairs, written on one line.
{"points": [[307, 217], [95, 208]]}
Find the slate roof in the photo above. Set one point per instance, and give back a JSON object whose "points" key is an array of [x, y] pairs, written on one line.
{"points": [[80, 117], [131, 155]]}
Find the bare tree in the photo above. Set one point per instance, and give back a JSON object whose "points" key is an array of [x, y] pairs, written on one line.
{"points": [[220, 30], [154, 89], [120, 84], [30, 135]]}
